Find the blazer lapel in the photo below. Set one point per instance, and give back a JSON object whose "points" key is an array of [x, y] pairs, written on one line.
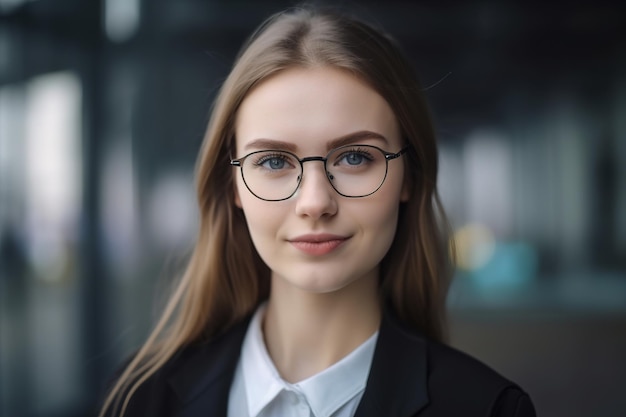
{"points": [[396, 385], [202, 383]]}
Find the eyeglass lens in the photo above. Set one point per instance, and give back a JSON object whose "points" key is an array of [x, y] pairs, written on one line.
{"points": [[353, 171]]}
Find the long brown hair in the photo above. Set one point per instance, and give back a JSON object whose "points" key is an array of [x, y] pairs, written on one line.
{"points": [[225, 279]]}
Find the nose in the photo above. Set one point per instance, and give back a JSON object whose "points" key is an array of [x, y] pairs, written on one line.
{"points": [[315, 197]]}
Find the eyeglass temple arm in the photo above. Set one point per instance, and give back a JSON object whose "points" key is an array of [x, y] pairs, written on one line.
{"points": [[389, 156]]}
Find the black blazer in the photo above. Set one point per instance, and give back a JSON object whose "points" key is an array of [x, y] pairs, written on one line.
{"points": [[410, 376]]}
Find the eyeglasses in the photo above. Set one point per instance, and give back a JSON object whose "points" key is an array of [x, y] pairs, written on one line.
{"points": [[353, 171]]}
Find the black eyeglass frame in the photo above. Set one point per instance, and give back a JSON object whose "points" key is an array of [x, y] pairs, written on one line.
{"points": [[389, 156]]}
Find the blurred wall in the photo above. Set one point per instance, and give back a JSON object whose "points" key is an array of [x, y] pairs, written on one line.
{"points": [[103, 106]]}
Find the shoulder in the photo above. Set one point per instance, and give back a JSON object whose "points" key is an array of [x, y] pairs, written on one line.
{"points": [[457, 369], [186, 375], [154, 396], [450, 382], [464, 382]]}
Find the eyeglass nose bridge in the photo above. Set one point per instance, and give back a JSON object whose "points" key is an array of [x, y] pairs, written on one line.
{"points": [[323, 159], [313, 158]]}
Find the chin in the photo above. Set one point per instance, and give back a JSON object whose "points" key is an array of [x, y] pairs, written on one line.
{"points": [[317, 285], [318, 281]]}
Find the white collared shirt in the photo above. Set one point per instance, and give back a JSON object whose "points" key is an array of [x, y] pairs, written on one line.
{"points": [[259, 391]]}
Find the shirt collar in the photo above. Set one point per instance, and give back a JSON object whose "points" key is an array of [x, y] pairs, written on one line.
{"points": [[325, 391], [261, 379], [336, 385]]}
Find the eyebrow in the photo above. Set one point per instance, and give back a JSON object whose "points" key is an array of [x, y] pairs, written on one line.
{"points": [[348, 139]]}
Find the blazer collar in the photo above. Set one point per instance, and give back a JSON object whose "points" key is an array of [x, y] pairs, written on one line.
{"points": [[202, 382], [396, 385]]}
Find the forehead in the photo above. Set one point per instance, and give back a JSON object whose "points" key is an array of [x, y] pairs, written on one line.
{"points": [[309, 107]]}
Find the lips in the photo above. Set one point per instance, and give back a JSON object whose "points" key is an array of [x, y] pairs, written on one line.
{"points": [[318, 244]]}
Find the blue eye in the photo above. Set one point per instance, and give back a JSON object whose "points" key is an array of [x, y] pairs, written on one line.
{"points": [[354, 158], [274, 161]]}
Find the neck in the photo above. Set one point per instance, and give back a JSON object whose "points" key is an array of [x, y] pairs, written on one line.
{"points": [[306, 332]]}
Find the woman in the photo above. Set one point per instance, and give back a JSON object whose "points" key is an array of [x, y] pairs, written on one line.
{"points": [[318, 280]]}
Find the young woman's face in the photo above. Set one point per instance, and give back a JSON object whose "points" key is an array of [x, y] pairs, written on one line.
{"points": [[318, 240]]}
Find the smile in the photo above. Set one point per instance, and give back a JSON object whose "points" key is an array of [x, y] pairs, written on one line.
{"points": [[317, 245]]}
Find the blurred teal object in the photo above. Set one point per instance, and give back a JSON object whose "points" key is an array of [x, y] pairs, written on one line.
{"points": [[512, 265]]}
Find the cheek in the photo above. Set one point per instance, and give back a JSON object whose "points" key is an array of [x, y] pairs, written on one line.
{"points": [[385, 219], [263, 218], [258, 227], [384, 210]]}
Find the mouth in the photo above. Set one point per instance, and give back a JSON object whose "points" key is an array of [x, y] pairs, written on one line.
{"points": [[317, 245]]}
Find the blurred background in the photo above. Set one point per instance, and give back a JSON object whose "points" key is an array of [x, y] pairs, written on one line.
{"points": [[103, 105]]}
